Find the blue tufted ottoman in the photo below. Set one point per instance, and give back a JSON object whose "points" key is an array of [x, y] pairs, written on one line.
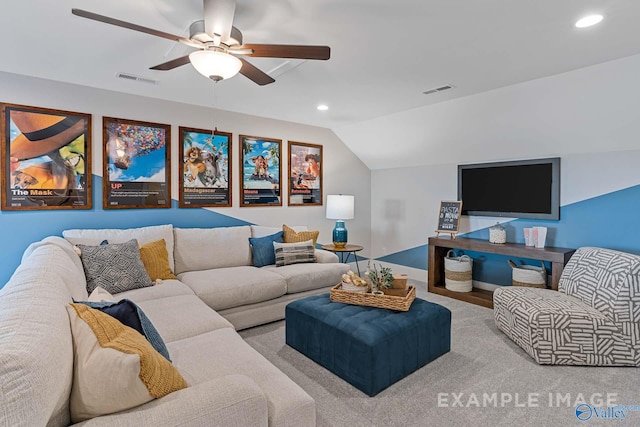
{"points": [[370, 348]]}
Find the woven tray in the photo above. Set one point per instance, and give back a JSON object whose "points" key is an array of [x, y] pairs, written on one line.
{"points": [[368, 299]]}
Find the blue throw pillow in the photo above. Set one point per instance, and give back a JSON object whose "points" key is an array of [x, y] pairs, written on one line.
{"points": [[262, 247], [129, 314]]}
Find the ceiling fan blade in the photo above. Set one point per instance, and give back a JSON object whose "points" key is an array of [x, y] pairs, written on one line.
{"points": [[135, 27], [170, 65], [287, 51], [218, 18], [255, 74]]}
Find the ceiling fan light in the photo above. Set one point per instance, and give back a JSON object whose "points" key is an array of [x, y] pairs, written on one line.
{"points": [[215, 65]]}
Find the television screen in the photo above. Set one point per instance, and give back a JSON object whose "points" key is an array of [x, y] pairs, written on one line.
{"points": [[517, 189]]}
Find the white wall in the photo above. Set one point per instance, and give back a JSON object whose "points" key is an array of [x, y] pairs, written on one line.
{"points": [[594, 109]]}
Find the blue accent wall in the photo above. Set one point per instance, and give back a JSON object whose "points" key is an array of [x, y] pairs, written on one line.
{"points": [[21, 228], [611, 221]]}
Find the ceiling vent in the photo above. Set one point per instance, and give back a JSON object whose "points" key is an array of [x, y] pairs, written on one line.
{"points": [[438, 89], [135, 78]]}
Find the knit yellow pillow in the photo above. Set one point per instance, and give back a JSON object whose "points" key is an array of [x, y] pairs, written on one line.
{"points": [[115, 368], [156, 260], [293, 236]]}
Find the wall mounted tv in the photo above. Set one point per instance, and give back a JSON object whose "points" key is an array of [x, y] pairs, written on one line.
{"points": [[515, 189]]}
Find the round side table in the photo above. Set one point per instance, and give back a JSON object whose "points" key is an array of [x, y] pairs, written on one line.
{"points": [[348, 249]]}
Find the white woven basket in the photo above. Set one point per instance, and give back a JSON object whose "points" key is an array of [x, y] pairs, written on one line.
{"points": [[457, 272], [529, 275]]}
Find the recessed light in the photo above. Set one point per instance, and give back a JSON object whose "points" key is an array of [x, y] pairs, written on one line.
{"points": [[322, 107], [588, 21]]}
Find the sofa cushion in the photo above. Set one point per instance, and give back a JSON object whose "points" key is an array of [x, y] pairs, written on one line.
{"points": [[287, 402], [262, 249], [155, 258], [263, 230], [222, 288], [304, 277], [294, 253], [70, 266], [182, 316], [199, 249], [34, 338], [143, 235], [114, 267], [293, 236], [129, 314], [115, 367], [164, 289]]}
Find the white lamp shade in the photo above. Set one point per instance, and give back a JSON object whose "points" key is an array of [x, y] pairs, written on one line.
{"points": [[340, 206], [215, 65]]}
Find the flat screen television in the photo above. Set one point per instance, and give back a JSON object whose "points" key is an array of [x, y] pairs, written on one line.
{"points": [[515, 189]]}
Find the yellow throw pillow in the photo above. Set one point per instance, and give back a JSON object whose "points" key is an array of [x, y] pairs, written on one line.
{"points": [[293, 236], [115, 368], [156, 260]]}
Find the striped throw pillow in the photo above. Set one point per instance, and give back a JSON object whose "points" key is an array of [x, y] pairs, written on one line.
{"points": [[294, 253]]}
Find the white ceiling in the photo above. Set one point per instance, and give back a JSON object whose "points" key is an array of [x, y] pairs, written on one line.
{"points": [[384, 53]]}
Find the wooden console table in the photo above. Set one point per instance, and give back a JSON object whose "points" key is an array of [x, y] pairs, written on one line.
{"points": [[439, 246]]}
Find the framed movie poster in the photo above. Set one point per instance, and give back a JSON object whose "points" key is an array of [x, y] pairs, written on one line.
{"points": [[205, 175], [136, 164], [305, 174], [46, 158], [261, 172]]}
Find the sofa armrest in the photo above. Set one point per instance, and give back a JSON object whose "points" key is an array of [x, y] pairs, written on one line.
{"points": [[325, 257], [229, 400]]}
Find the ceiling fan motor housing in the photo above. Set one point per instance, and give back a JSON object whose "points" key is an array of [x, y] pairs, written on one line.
{"points": [[197, 32]]}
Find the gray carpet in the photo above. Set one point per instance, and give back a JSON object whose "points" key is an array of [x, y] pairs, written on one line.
{"points": [[495, 382]]}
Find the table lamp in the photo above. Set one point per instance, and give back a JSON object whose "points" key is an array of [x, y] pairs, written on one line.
{"points": [[340, 207]]}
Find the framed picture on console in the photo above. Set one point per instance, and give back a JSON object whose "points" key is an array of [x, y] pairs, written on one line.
{"points": [[136, 164], [46, 158], [305, 174], [205, 168], [261, 171]]}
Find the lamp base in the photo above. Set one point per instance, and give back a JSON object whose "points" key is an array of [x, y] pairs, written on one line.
{"points": [[339, 235]]}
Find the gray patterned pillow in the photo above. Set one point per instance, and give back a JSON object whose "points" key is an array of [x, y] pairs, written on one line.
{"points": [[294, 253], [116, 267]]}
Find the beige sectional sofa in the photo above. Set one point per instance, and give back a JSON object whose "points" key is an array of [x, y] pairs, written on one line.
{"points": [[217, 291]]}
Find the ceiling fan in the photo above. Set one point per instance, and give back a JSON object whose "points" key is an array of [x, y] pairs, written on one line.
{"points": [[219, 44]]}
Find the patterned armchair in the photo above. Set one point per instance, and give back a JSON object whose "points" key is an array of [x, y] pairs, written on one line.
{"points": [[593, 319]]}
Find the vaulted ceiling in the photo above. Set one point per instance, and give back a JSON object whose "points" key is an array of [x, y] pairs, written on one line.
{"points": [[384, 55]]}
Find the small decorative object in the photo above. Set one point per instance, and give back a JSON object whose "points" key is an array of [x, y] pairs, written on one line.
{"points": [[340, 207], [458, 272], [449, 217], [497, 234], [528, 237], [380, 279], [529, 275], [399, 281], [352, 282], [539, 236]]}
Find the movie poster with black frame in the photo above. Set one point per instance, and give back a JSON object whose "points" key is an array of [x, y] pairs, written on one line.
{"points": [[261, 171], [46, 158], [205, 178], [136, 164], [305, 174]]}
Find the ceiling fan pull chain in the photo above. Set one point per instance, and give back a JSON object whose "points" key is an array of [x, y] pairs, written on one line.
{"points": [[213, 112]]}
